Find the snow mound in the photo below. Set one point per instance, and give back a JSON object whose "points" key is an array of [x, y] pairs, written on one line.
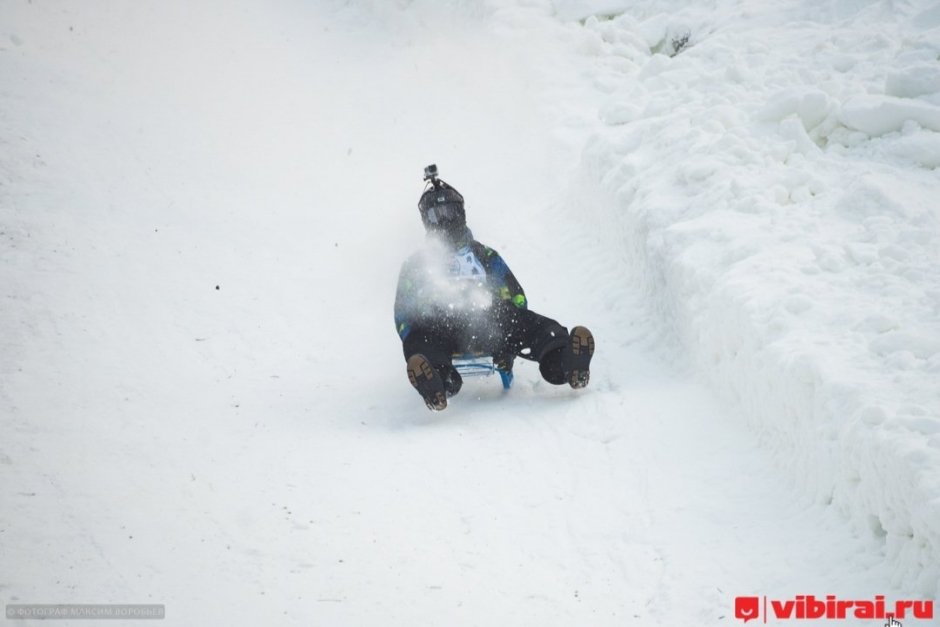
{"points": [[580, 9], [878, 115], [919, 79], [784, 224], [812, 106]]}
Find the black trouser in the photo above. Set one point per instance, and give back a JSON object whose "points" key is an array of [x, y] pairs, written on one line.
{"points": [[505, 333]]}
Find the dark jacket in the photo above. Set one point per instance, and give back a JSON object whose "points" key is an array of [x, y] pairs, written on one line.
{"points": [[450, 283]]}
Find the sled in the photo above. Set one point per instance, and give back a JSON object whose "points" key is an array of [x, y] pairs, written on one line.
{"points": [[470, 365]]}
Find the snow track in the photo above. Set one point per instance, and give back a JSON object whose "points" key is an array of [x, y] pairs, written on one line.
{"points": [[203, 399]]}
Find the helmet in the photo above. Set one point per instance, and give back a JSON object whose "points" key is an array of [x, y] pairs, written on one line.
{"points": [[441, 206]]}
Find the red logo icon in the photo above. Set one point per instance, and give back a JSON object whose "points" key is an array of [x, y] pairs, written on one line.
{"points": [[746, 608]]}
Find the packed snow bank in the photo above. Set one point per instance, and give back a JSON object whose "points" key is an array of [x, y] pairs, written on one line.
{"points": [[773, 182]]}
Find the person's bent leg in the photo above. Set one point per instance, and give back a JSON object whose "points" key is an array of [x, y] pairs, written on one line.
{"points": [[536, 337], [563, 357]]}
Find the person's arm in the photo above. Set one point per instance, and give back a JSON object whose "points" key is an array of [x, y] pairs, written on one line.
{"points": [[503, 280], [404, 299]]}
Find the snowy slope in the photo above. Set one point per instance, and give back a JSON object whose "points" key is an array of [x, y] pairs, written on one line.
{"points": [[203, 209]]}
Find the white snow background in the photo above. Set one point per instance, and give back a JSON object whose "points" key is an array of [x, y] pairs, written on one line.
{"points": [[203, 207]]}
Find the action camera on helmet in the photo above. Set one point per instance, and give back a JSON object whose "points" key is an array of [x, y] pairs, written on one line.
{"points": [[441, 206]]}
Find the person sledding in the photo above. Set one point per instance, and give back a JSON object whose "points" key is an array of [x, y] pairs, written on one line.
{"points": [[458, 297]]}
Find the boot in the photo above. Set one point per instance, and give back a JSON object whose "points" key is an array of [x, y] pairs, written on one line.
{"points": [[427, 381], [578, 357]]}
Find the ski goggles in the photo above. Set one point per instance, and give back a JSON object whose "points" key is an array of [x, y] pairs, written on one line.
{"points": [[447, 213]]}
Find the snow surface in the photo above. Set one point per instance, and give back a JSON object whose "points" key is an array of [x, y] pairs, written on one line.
{"points": [[203, 208]]}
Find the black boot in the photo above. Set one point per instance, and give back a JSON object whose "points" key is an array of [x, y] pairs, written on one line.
{"points": [[452, 380], [427, 381]]}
